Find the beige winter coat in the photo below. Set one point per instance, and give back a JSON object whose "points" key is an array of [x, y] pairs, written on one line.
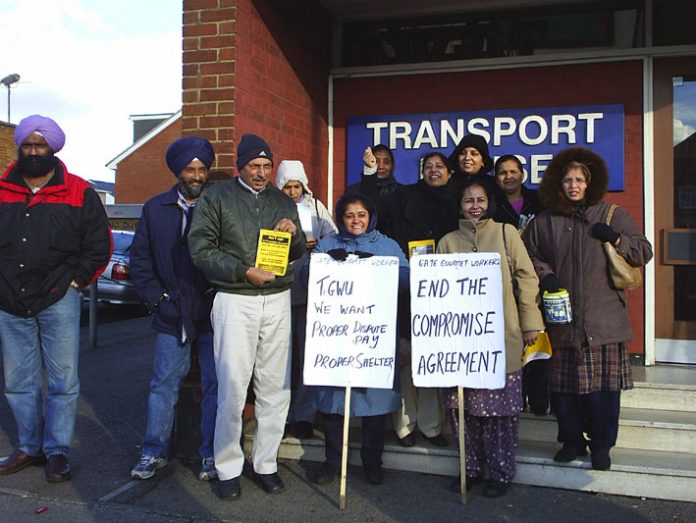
{"points": [[521, 315]]}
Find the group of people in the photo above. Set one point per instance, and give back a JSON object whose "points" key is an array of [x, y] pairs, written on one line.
{"points": [[193, 262]]}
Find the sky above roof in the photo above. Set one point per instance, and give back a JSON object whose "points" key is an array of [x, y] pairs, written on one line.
{"points": [[89, 66]]}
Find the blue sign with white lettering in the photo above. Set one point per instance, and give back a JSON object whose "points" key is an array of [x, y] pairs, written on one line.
{"points": [[534, 135]]}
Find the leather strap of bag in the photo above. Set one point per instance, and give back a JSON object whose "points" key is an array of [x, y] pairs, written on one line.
{"points": [[515, 285], [612, 208]]}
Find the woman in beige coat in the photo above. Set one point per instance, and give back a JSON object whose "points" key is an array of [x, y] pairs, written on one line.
{"points": [[492, 416]]}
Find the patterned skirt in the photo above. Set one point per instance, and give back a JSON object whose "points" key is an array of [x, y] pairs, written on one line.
{"points": [[590, 369], [490, 402]]}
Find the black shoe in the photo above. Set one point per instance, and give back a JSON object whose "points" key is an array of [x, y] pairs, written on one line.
{"points": [[408, 441], [229, 489], [438, 441], [304, 430], [272, 483], [570, 451], [326, 474], [58, 468], [601, 460], [494, 489], [374, 475], [471, 482]]}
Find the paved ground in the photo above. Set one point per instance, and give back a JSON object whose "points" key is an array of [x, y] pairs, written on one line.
{"points": [[109, 429]]}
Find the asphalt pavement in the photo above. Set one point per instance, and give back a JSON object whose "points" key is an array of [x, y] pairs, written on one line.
{"points": [[111, 418]]}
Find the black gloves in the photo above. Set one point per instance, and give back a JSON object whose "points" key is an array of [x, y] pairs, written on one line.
{"points": [[338, 254], [550, 283], [605, 233], [342, 254]]}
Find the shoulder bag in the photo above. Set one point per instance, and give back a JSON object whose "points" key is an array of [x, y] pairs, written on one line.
{"points": [[622, 274]]}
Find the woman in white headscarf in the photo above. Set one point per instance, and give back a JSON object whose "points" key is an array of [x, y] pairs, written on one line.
{"points": [[316, 223]]}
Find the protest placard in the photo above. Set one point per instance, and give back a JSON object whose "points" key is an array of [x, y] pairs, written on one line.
{"points": [[457, 323], [351, 321]]}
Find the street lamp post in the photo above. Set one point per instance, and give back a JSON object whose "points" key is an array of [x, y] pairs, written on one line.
{"points": [[8, 81]]}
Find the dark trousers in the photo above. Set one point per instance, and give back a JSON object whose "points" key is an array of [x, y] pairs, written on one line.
{"points": [[535, 386], [596, 413], [373, 433]]}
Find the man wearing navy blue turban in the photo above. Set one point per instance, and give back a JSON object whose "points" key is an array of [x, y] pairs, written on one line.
{"points": [[180, 299], [55, 241]]}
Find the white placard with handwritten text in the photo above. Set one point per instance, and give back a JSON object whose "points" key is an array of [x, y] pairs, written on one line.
{"points": [[457, 323], [351, 321]]}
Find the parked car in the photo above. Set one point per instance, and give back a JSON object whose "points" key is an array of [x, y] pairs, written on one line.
{"points": [[114, 285]]}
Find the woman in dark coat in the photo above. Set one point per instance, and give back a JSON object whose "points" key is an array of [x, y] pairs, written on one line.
{"points": [[590, 365], [518, 205], [425, 210], [471, 160]]}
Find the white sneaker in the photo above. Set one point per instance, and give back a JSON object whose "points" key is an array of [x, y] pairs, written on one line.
{"points": [[148, 466], [208, 471]]}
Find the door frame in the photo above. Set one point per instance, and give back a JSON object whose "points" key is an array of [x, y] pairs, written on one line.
{"points": [[672, 341]]}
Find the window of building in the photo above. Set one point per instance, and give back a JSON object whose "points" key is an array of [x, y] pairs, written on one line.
{"points": [[597, 25], [673, 22]]}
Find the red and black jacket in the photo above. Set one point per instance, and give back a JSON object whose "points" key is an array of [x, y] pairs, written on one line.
{"points": [[48, 238]]}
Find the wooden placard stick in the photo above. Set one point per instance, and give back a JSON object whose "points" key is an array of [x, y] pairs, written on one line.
{"points": [[344, 450], [462, 445]]}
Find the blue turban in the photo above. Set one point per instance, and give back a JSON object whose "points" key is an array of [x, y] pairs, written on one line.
{"points": [[183, 151], [50, 130]]}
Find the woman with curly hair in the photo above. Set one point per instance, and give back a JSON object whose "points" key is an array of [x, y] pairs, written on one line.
{"points": [[590, 365]]}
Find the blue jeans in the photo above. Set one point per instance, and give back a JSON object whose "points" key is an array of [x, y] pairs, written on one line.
{"points": [[170, 367], [52, 337]]}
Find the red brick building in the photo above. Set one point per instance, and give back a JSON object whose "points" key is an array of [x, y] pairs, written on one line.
{"points": [[141, 171], [8, 149], [297, 71]]}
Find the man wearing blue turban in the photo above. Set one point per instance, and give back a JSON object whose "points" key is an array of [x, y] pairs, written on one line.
{"points": [[180, 299], [56, 240]]}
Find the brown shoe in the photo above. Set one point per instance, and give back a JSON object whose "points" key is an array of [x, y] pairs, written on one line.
{"points": [[19, 460], [58, 468]]}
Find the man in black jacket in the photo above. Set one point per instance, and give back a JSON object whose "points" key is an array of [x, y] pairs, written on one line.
{"points": [[251, 312], [55, 240]]}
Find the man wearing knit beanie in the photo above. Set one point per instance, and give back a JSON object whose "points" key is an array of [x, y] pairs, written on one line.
{"points": [[179, 298], [56, 241], [251, 336]]}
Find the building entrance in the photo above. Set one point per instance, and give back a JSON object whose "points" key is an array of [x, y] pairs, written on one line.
{"points": [[675, 210]]}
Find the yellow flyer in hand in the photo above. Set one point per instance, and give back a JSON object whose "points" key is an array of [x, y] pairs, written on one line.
{"points": [[273, 251]]}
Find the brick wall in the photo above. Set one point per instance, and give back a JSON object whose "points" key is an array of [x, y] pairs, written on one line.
{"points": [[144, 173], [617, 82], [8, 149], [259, 66]]}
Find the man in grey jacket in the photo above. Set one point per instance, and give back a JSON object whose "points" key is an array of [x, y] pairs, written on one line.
{"points": [[251, 312]]}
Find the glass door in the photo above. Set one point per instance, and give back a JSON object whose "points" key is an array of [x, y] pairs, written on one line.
{"points": [[675, 210]]}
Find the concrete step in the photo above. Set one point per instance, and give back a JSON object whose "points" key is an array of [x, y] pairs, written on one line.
{"points": [[638, 429], [660, 396], [642, 473]]}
